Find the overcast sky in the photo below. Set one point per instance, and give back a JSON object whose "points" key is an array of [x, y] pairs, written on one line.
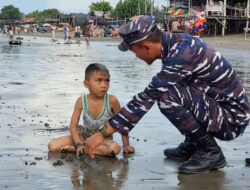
{"points": [[65, 6]]}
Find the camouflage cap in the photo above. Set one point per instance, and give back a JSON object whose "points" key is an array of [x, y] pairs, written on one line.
{"points": [[136, 31]]}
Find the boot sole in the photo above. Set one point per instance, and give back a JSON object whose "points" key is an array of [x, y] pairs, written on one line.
{"points": [[177, 158], [248, 161], [180, 159], [219, 165]]}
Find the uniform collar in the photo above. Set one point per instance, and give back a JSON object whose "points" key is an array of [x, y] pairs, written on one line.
{"points": [[165, 46]]}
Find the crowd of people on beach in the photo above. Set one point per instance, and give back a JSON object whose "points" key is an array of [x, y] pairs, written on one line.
{"points": [[80, 32]]}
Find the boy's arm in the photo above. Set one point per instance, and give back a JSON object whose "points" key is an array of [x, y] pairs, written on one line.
{"points": [[75, 120], [115, 108]]}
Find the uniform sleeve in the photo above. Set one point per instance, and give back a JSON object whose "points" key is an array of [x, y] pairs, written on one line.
{"points": [[176, 67]]}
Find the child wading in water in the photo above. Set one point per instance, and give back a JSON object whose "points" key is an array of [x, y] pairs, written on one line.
{"points": [[97, 107]]}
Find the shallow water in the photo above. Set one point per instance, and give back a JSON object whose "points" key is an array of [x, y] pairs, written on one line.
{"points": [[39, 83]]}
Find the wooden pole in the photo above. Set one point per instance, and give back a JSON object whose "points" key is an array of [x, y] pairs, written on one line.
{"points": [[207, 8], [152, 7], [139, 9], [248, 8], [247, 23], [189, 6], [224, 20], [130, 10], [215, 29], [151, 12]]}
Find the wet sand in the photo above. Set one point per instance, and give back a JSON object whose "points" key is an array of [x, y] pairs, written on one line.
{"points": [[39, 83]]}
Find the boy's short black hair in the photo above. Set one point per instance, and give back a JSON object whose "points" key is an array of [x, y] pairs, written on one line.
{"points": [[95, 67]]}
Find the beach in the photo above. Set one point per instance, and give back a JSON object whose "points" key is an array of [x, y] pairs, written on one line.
{"points": [[39, 83], [231, 41]]}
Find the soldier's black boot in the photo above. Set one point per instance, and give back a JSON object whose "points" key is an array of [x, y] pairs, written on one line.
{"points": [[183, 152], [208, 156], [248, 161]]}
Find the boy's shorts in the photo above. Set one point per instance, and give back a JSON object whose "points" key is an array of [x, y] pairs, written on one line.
{"points": [[86, 134]]}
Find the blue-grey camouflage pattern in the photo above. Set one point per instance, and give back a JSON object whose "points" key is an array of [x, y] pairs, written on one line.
{"points": [[136, 31], [195, 88]]}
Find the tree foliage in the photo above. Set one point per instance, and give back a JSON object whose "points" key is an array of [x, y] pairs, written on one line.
{"points": [[100, 6], [10, 12], [129, 8], [45, 14], [35, 14]]}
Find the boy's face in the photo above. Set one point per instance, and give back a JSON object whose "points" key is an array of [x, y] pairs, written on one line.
{"points": [[98, 84]]}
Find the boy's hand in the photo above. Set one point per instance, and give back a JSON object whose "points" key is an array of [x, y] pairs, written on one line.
{"points": [[80, 150], [92, 143], [128, 149]]}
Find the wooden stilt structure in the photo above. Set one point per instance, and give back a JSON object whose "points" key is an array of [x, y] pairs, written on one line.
{"points": [[215, 28], [223, 18], [247, 29]]}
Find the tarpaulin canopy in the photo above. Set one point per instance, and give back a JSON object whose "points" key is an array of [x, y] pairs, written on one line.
{"points": [[46, 24]]}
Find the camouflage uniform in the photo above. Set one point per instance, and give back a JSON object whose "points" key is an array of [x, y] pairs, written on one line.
{"points": [[195, 88]]}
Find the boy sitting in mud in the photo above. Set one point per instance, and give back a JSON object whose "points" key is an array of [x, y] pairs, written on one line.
{"points": [[97, 107]]}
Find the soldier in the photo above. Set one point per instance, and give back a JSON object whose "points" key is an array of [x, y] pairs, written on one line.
{"points": [[196, 89]]}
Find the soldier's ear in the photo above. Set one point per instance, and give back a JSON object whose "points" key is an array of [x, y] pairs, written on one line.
{"points": [[147, 46]]}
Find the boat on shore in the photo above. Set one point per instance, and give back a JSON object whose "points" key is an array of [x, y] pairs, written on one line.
{"points": [[15, 42]]}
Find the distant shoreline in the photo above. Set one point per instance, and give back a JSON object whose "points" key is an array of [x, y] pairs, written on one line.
{"points": [[232, 41], [60, 35]]}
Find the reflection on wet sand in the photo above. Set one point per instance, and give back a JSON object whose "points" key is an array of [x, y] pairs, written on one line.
{"points": [[100, 173], [210, 181], [241, 63]]}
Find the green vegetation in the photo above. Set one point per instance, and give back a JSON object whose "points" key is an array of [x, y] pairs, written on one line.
{"points": [[129, 8], [124, 9], [100, 6], [10, 12], [42, 15], [241, 5]]}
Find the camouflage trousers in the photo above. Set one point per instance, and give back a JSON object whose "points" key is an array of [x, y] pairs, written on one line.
{"points": [[188, 109]]}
